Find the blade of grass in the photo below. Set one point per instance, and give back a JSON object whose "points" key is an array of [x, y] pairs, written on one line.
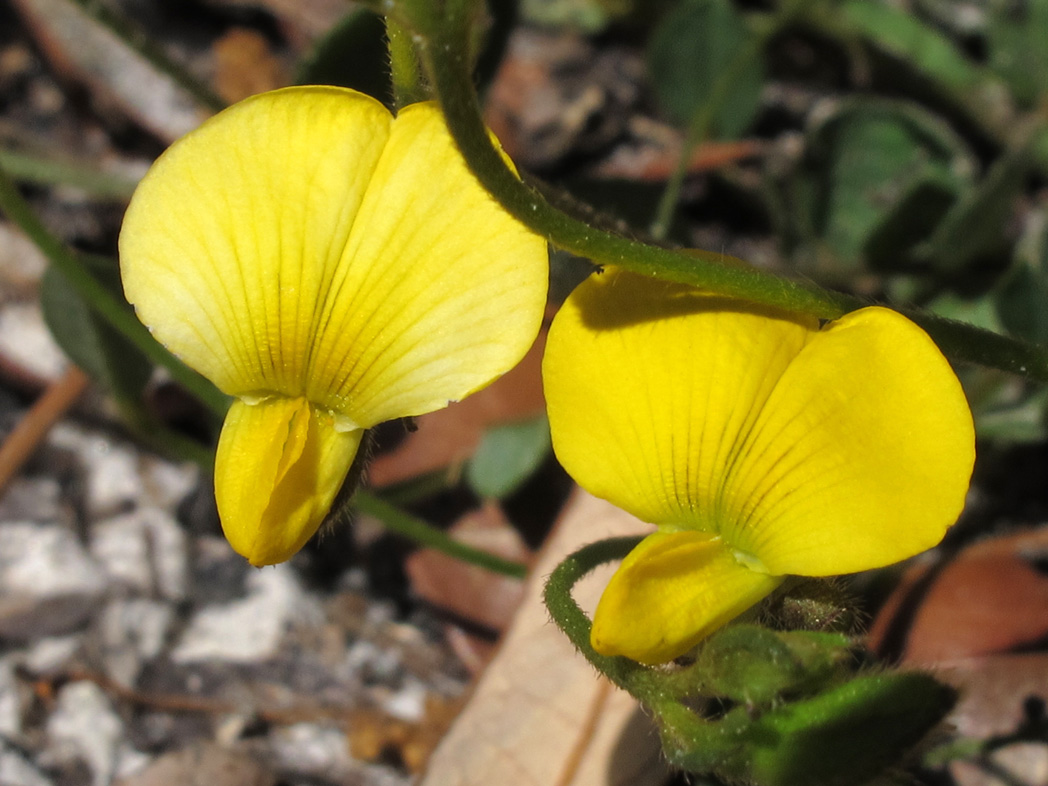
{"points": [[49, 172], [425, 534]]}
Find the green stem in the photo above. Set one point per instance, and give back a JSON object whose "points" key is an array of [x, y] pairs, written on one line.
{"points": [[404, 66], [573, 621], [100, 299], [43, 171], [445, 57], [425, 534], [446, 60], [658, 689]]}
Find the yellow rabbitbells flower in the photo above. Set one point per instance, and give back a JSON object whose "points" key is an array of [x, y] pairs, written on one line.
{"points": [[331, 267], [760, 444]]}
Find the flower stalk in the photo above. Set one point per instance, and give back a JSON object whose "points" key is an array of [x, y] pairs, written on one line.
{"points": [[443, 41]]}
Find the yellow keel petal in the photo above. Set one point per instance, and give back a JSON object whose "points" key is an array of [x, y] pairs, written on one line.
{"points": [[279, 465], [673, 590]]}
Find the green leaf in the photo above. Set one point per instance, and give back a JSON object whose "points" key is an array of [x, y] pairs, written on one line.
{"points": [[1017, 40], [1022, 296], [687, 53], [849, 734], [904, 36], [508, 455], [92, 344], [980, 312], [974, 228], [916, 57], [352, 54], [53, 168], [878, 177], [842, 736], [1022, 422], [757, 666], [1022, 304]]}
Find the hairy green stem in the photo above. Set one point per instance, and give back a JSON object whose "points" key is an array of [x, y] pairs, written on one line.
{"points": [[447, 62], [572, 620], [444, 50], [658, 689], [44, 171], [404, 66]]}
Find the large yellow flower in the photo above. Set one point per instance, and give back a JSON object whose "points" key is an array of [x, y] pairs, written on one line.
{"points": [[759, 443], [331, 267]]}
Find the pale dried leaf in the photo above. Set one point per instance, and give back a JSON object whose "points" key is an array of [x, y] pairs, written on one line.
{"points": [[540, 715], [998, 695], [117, 75]]}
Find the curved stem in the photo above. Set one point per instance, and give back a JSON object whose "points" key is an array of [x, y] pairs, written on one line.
{"points": [[447, 63], [573, 621], [444, 51]]}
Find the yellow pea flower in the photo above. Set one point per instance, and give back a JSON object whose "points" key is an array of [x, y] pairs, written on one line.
{"points": [[331, 267], [760, 444]]}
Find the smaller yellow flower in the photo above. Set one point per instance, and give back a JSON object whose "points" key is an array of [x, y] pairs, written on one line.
{"points": [[761, 445], [331, 267]]}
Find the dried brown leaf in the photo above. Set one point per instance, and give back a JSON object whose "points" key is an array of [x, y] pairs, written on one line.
{"points": [[997, 694], [470, 592], [991, 598], [451, 435], [244, 65]]}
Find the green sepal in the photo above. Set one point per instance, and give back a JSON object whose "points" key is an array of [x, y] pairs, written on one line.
{"points": [[842, 737], [751, 665]]}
